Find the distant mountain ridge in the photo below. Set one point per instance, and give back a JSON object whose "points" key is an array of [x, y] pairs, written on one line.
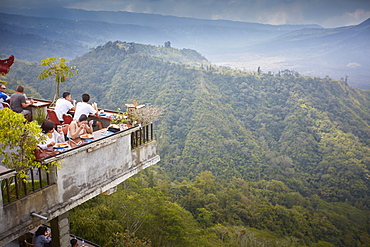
{"points": [[199, 34], [336, 52], [143, 19], [308, 49]]}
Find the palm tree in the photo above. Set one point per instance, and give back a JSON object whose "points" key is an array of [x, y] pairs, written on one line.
{"points": [[58, 69]]}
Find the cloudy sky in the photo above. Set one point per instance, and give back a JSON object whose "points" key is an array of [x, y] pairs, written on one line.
{"points": [[327, 13]]}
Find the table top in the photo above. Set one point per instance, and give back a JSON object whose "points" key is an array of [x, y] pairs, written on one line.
{"points": [[80, 141], [104, 115], [40, 103]]}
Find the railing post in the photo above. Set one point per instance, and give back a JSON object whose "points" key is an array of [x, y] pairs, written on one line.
{"points": [[32, 180], [24, 186], [16, 187], [141, 136], [40, 177], [7, 189], [147, 133]]}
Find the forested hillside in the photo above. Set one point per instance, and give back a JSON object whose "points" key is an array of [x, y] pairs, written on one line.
{"points": [[247, 158]]}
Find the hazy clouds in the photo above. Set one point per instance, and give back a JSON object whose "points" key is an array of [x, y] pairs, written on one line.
{"points": [[327, 13]]}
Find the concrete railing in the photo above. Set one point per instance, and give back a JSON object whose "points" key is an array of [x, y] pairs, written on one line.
{"points": [[86, 171]]}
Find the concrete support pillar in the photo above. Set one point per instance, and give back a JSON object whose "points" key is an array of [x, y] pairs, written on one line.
{"points": [[60, 231]]}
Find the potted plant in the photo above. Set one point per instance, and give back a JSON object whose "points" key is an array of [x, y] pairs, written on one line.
{"points": [[40, 116], [135, 115]]}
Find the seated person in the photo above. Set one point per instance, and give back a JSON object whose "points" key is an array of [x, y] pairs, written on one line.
{"points": [[63, 105], [18, 102], [41, 237], [52, 136], [74, 243], [80, 127], [87, 109], [3, 96]]}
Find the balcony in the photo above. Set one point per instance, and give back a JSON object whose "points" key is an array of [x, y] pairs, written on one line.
{"points": [[86, 171]]}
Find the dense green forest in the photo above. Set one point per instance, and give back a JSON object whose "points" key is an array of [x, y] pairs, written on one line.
{"points": [[247, 158]]}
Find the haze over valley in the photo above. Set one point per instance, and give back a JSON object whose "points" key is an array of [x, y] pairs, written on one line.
{"points": [[340, 53]]}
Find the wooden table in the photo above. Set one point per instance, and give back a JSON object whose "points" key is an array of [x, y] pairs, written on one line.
{"points": [[97, 135], [104, 118], [37, 104]]}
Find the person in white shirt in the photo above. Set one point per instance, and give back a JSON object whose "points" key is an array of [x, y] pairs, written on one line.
{"points": [[52, 136], [83, 108], [63, 105]]}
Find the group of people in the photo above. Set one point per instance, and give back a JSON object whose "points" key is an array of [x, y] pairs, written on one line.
{"points": [[80, 125], [17, 101]]}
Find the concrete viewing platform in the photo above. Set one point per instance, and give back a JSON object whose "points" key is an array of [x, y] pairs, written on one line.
{"points": [[86, 171]]}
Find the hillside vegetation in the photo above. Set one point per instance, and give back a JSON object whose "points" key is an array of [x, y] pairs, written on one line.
{"points": [[247, 158]]}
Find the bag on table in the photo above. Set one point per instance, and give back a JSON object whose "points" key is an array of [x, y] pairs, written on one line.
{"points": [[41, 153]]}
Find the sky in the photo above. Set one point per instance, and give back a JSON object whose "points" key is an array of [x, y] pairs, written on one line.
{"points": [[326, 13]]}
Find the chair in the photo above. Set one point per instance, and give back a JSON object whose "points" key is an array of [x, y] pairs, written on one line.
{"points": [[67, 118], [65, 129], [6, 105], [28, 244], [53, 116]]}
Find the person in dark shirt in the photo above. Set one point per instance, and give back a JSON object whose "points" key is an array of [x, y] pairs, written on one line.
{"points": [[74, 243], [18, 102]]}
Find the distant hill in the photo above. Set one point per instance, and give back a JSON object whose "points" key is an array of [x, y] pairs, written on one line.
{"points": [[336, 52], [93, 28], [34, 39], [142, 19], [34, 34]]}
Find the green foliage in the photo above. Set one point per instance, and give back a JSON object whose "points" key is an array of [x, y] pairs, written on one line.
{"points": [[19, 140], [144, 116], [143, 211], [237, 213], [40, 116], [127, 239], [249, 237], [58, 69]]}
